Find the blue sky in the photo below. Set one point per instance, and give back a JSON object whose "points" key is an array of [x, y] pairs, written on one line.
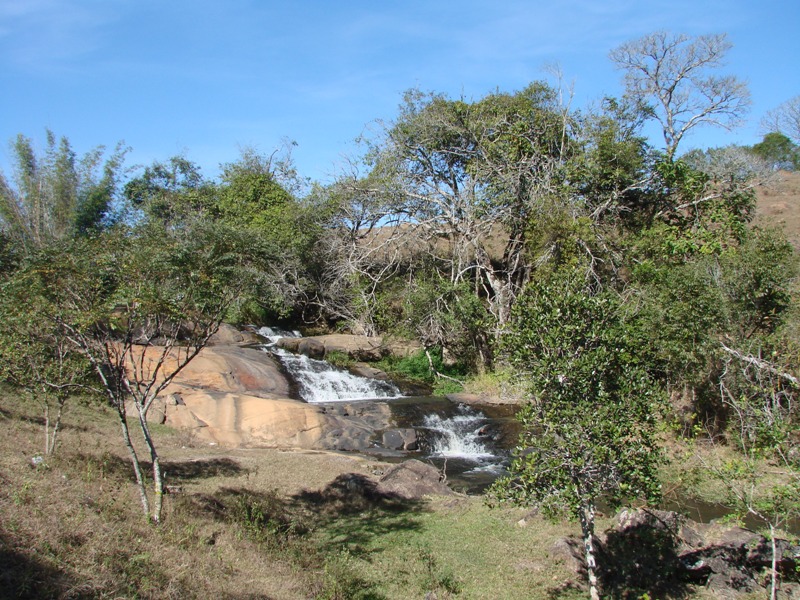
{"points": [[205, 78]]}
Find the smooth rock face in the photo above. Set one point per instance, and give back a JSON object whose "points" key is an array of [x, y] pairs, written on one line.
{"points": [[236, 395]]}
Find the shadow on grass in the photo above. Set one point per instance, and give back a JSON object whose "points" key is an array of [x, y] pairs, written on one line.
{"points": [[117, 468], [200, 469], [352, 511], [25, 576], [642, 559]]}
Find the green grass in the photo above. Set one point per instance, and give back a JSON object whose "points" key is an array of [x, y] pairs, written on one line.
{"points": [[248, 523]]}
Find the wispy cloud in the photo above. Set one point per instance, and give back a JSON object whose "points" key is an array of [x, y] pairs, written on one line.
{"points": [[48, 35]]}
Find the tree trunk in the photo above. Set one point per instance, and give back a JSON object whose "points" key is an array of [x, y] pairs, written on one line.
{"points": [[587, 528], [137, 467], [774, 587], [158, 479]]}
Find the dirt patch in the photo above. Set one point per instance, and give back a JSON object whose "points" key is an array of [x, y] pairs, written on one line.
{"points": [[779, 204]]}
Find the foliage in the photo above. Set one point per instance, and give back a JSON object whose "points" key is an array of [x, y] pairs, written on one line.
{"points": [[589, 430], [36, 358], [57, 195], [589, 427], [136, 306], [779, 151], [170, 192]]}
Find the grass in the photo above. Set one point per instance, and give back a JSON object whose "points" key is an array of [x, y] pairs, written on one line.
{"points": [[249, 523]]}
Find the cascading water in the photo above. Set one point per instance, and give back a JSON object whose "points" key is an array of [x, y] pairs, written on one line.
{"points": [[319, 381], [457, 437], [462, 435]]}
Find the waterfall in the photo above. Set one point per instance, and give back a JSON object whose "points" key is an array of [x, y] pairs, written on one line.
{"points": [[319, 381], [459, 436]]}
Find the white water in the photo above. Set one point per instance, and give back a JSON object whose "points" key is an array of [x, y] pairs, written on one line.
{"points": [[319, 381], [458, 436]]}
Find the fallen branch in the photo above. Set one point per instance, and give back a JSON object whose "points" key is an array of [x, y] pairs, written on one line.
{"points": [[762, 364]]}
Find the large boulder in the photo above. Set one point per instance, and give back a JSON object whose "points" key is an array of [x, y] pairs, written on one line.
{"points": [[234, 369], [413, 480]]}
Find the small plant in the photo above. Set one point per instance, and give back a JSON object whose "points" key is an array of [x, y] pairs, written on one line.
{"points": [[341, 581], [437, 579]]}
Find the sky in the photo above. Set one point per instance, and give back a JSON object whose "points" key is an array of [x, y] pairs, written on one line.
{"points": [[205, 78]]}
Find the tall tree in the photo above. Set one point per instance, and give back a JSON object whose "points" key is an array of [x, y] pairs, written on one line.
{"points": [[137, 306], [467, 177], [589, 430], [676, 73], [57, 195]]}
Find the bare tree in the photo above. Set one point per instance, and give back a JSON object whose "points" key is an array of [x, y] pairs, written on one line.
{"points": [[784, 119], [677, 74]]}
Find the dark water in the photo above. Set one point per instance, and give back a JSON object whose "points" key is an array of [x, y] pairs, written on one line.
{"points": [[471, 445]]}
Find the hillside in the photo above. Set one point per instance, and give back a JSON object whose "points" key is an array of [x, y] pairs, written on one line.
{"points": [[780, 204]]}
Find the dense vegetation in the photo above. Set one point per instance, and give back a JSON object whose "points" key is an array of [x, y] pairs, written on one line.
{"points": [[620, 282]]}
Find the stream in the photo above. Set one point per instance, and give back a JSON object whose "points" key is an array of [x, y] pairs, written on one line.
{"points": [[471, 445], [464, 442]]}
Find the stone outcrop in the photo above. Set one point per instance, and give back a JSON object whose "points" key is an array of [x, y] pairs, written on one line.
{"points": [[413, 480], [235, 394], [357, 347]]}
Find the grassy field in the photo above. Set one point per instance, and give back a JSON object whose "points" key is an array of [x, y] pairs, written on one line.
{"points": [[246, 523], [250, 523]]}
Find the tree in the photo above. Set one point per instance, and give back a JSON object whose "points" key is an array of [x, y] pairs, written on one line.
{"points": [[138, 306], [36, 359], [676, 74], [57, 195], [589, 430], [784, 119], [171, 192], [465, 178], [778, 151]]}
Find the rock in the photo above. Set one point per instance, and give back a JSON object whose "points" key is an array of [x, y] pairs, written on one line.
{"points": [[234, 369], [400, 439], [413, 480], [289, 344], [228, 335], [357, 347], [364, 370], [312, 348], [481, 399], [569, 551], [656, 519]]}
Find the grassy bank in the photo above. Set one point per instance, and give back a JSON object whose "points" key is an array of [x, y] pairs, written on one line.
{"points": [[248, 523]]}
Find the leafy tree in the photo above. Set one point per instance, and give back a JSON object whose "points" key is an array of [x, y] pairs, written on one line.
{"points": [[36, 358], [465, 178], [283, 230], [56, 195], [676, 73], [137, 306], [589, 430], [170, 192], [778, 151]]}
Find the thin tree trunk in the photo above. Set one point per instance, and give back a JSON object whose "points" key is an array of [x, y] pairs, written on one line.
{"points": [[774, 587], [51, 444], [158, 480], [137, 467], [46, 428], [587, 528]]}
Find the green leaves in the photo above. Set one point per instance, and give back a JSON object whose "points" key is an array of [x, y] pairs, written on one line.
{"points": [[589, 432]]}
